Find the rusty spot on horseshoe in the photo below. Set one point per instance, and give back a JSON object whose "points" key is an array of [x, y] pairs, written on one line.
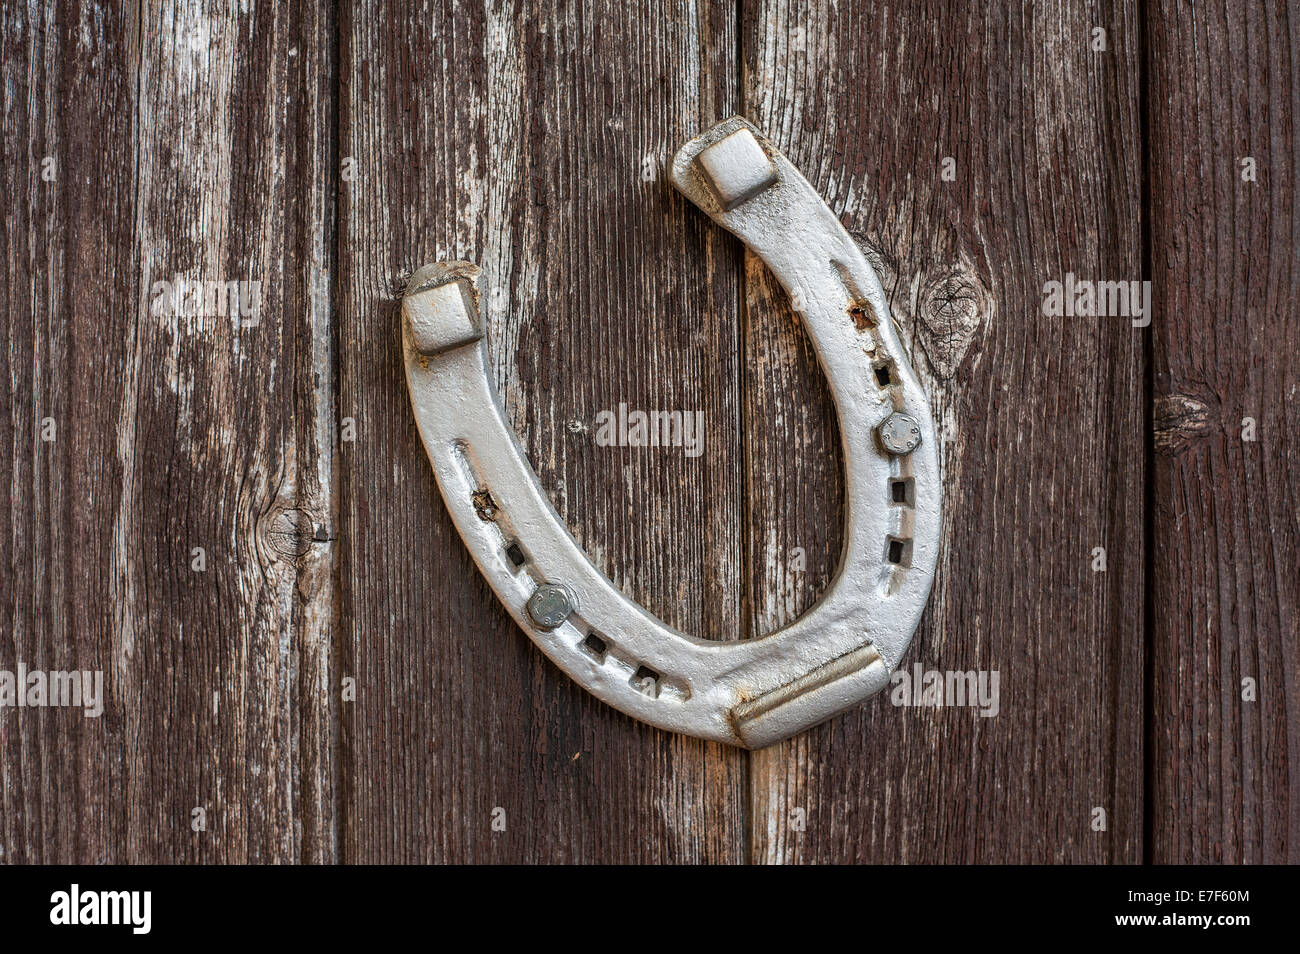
{"points": [[863, 315]]}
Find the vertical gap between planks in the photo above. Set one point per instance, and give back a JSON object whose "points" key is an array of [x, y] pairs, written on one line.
{"points": [[131, 392], [747, 800], [1148, 437], [342, 822], [331, 243]]}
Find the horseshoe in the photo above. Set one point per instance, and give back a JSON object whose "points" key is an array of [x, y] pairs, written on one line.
{"points": [[751, 692]]}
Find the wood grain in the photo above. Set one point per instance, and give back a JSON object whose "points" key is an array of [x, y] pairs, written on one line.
{"points": [[223, 419], [338, 684], [1225, 769], [66, 174], [1041, 422], [190, 143], [532, 139]]}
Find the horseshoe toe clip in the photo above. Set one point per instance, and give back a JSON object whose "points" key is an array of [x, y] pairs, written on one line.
{"points": [[751, 692]]}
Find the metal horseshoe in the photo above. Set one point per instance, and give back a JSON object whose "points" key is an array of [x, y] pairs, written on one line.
{"points": [[751, 692]]}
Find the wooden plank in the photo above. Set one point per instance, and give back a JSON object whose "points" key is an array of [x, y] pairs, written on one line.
{"points": [[226, 443], [191, 143], [518, 137], [1225, 774], [1040, 419], [66, 172]]}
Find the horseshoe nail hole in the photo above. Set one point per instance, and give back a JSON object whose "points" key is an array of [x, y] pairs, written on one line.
{"points": [[884, 376], [595, 647], [900, 551], [645, 680], [902, 491], [515, 554], [484, 505], [863, 315]]}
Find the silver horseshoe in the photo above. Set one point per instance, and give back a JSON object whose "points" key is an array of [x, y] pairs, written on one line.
{"points": [[751, 692]]}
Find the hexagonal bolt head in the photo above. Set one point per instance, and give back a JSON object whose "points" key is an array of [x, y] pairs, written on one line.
{"points": [[900, 434], [550, 605]]}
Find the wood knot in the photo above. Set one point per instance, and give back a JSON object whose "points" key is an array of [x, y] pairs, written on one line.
{"points": [[1177, 421], [291, 532], [951, 306]]}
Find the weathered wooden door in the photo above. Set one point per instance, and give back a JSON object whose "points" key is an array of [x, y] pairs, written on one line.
{"points": [[231, 516]]}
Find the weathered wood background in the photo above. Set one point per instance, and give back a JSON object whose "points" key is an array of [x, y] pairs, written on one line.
{"points": [[329, 151]]}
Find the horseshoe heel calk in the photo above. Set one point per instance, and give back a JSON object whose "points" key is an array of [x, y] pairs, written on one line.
{"points": [[749, 692]]}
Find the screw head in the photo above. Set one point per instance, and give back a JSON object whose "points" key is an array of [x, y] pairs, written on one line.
{"points": [[550, 605], [900, 434]]}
